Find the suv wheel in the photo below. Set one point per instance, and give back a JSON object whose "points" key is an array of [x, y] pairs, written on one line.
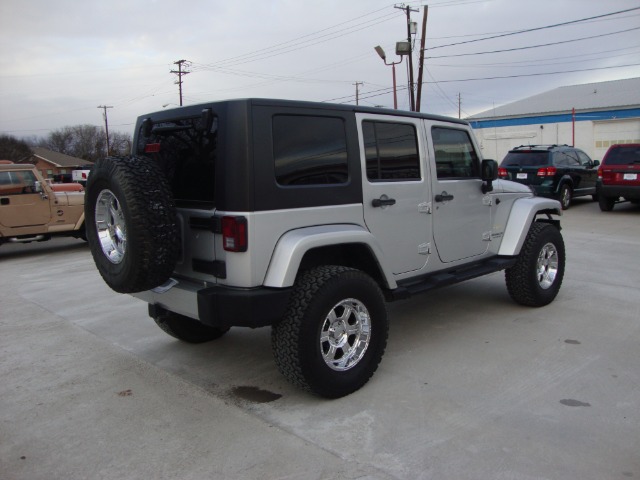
{"points": [[536, 277], [606, 203], [187, 329], [334, 334], [131, 223], [565, 196]]}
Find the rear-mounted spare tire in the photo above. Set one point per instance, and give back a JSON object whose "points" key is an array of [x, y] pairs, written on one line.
{"points": [[131, 223]]}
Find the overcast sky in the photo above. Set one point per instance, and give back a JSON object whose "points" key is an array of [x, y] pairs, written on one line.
{"points": [[61, 59]]}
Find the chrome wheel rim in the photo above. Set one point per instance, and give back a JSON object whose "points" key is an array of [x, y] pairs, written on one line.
{"points": [[345, 334], [547, 267], [111, 227], [566, 197]]}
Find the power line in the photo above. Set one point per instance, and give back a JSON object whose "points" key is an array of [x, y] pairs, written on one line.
{"points": [[536, 46], [537, 74], [534, 29]]}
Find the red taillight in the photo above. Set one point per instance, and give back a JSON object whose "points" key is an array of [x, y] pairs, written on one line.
{"points": [[547, 171], [152, 148], [234, 234], [502, 172]]}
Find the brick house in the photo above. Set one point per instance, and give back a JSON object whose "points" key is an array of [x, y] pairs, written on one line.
{"points": [[52, 163]]}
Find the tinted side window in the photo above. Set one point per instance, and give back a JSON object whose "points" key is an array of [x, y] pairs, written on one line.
{"points": [[565, 159], [391, 151], [584, 158], [309, 150], [455, 155]]}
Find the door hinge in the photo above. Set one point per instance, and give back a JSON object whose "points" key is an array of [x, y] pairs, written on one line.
{"points": [[486, 236], [424, 249], [487, 200]]}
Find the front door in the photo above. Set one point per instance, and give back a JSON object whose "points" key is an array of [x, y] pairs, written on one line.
{"points": [[461, 212], [396, 189], [20, 204]]}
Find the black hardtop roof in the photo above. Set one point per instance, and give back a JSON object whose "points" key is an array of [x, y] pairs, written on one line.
{"points": [[191, 110]]}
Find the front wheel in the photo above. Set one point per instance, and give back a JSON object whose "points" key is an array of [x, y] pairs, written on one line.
{"points": [[334, 333], [536, 277]]}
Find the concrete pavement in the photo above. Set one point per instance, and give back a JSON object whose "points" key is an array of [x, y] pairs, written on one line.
{"points": [[472, 386]]}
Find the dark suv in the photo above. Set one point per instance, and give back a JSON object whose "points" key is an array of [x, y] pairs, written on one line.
{"points": [[619, 176], [556, 171]]}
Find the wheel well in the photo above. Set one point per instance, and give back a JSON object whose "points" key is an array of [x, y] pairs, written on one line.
{"points": [[352, 255]]}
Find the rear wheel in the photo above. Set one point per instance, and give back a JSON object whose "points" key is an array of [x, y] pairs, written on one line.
{"points": [[334, 333], [606, 203], [536, 277], [187, 329]]}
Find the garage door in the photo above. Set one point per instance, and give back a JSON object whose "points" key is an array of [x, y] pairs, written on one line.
{"points": [[614, 132]]}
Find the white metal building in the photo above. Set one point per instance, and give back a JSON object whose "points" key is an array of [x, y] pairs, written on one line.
{"points": [[591, 116]]}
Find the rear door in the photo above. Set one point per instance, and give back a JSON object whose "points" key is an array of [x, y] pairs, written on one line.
{"points": [[396, 189], [461, 212]]}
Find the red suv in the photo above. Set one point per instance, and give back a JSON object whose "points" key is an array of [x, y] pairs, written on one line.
{"points": [[619, 176]]}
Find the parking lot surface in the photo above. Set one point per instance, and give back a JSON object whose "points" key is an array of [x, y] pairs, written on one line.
{"points": [[472, 385]]}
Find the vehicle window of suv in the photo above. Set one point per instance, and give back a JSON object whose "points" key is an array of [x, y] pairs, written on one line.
{"points": [[623, 156], [526, 159], [391, 150], [16, 183], [565, 159], [186, 150], [584, 158], [309, 150], [455, 155]]}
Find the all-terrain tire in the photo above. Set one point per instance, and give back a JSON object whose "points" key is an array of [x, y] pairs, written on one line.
{"points": [[334, 333], [536, 277], [131, 223], [187, 329]]}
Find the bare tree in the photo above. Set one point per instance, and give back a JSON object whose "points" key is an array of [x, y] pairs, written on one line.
{"points": [[13, 149], [87, 142]]}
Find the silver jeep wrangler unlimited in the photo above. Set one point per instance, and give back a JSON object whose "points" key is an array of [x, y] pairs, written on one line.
{"points": [[308, 217]]}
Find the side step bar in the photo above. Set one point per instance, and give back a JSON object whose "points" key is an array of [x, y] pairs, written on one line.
{"points": [[439, 279]]}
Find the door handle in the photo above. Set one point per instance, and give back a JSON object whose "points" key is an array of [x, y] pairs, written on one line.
{"points": [[5, 201], [383, 201], [444, 197]]}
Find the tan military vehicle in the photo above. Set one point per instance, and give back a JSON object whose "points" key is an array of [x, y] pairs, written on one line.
{"points": [[30, 209]]}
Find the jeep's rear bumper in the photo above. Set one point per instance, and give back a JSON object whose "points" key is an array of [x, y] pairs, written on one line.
{"points": [[221, 306]]}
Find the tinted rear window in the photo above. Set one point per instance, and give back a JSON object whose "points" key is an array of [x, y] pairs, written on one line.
{"points": [[623, 156], [186, 151], [525, 159]]}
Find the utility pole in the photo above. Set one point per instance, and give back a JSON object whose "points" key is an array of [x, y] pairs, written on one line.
{"points": [[421, 65], [459, 104], [106, 125], [180, 72], [408, 11], [357, 84]]}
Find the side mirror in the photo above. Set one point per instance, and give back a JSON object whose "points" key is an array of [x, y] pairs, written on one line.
{"points": [[595, 163], [489, 174], [38, 187]]}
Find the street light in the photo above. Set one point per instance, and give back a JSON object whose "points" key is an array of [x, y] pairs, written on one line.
{"points": [[402, 48]]}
